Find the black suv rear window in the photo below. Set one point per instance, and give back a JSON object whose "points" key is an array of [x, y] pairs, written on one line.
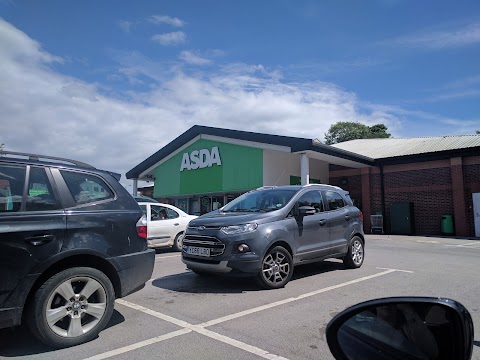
{"points": [[86, 188]]}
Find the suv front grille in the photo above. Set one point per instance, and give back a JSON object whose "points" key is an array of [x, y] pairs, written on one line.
{"points": [[216, 246]]}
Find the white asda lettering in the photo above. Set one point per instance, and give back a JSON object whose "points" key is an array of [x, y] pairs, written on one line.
{"points": [[199, 159]]}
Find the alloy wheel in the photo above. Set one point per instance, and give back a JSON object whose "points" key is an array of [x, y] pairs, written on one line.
{"points": [[76, 306], [275, 267], [357, 252]]}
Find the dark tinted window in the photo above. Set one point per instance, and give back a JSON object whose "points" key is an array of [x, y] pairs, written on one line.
{"points": [[334, 200], [12, 181], [313, 199], [86, 188], [40, 195]]}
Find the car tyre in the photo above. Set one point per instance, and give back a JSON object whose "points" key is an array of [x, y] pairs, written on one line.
{"points": [[178, 242], [277, 268], [71, 307], [355, 254]]}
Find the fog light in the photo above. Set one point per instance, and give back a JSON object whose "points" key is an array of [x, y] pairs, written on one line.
{"points": [[243, 248]]}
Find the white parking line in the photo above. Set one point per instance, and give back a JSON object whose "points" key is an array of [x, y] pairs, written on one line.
{"points": [[238, 344], [405, 271], [139, 345], [286, 301], [471, 245], [201, 328]]}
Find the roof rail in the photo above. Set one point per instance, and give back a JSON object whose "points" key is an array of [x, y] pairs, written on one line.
{"points": [[36, 157]]}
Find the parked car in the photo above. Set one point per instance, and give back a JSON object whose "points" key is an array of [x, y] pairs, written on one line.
{"points": [[142, 198], [166, 224], [72, 240], [268, 231]]}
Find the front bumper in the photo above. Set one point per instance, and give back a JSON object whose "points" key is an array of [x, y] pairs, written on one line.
{"points": [[239, 264], [134, 270]]}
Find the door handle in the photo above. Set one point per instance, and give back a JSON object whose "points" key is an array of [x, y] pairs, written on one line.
{"points": [[347, 217], [176, 224], [322, 222], [40, 239]]}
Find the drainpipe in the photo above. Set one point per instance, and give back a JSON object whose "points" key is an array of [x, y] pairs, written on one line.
{"points": [[305, 169], [382, 189], [135, 187]]}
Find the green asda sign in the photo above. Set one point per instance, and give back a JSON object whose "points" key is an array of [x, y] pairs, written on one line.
{"points": [[210, 166]]}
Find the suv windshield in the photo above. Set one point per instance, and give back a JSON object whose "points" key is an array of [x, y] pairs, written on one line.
{"points": [[260, 201]]}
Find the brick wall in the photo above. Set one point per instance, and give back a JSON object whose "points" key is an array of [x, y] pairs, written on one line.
{"points": [[471, 173], [427, 184]]}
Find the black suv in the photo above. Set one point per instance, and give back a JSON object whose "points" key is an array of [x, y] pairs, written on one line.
{"points": [[72, 239], [266, 232]]}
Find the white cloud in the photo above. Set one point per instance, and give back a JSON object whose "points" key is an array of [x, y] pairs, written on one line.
{"points": [[46, 112], [165, 19], [193, 58], [465, 35], [172, 38]]}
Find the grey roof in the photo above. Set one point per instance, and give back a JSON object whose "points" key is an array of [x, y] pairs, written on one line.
{"points": [[294, 143], [395, 147]]}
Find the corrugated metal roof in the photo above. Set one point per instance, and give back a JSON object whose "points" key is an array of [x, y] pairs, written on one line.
{"points": [[393, 147]]}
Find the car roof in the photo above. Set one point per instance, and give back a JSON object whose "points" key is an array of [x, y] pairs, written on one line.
{"points": [[51, 161], [300, 187]]}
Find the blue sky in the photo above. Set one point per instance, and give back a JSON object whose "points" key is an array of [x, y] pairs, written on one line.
{"points": [[111, 82]]}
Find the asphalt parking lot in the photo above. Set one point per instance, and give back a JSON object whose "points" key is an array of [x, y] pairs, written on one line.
{"points": [[182, 316]]}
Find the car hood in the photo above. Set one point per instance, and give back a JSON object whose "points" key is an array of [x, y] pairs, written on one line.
{"points": [[219, 218]]}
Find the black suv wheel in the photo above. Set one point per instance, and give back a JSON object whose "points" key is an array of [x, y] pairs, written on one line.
{"points": [[71, 307]]}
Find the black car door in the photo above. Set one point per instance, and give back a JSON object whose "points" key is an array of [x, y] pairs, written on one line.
{"points": [[32, 223]]}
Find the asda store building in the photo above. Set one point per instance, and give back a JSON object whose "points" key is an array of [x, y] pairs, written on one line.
{"points": [[205, 167], [432, 178]]}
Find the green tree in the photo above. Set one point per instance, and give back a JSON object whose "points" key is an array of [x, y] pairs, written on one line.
{"points": [[345, 131]]}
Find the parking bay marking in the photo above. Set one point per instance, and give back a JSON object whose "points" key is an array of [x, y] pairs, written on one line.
{"points": [[187, 328], [471, 245]]}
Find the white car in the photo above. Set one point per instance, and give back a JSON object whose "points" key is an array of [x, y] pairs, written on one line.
{"points": [[166, 224]]}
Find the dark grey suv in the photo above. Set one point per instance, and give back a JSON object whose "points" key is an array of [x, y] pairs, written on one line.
{"points": [[268, 231], [71, 241]]}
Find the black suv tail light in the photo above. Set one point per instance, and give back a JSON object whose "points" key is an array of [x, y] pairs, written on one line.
{"points": [[142, 227], [361, 216]]}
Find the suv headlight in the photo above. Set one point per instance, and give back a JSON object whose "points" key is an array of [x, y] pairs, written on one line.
{"points": [[239, 229]]}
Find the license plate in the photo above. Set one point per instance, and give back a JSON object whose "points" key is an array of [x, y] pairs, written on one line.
{"points": [[193, 250]]}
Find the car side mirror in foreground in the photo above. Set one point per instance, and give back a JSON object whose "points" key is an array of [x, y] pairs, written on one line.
{"points": [[402, 328]]}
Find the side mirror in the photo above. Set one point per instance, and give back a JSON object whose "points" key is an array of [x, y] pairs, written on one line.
{"points": [[306, 210], [402, 328]]}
